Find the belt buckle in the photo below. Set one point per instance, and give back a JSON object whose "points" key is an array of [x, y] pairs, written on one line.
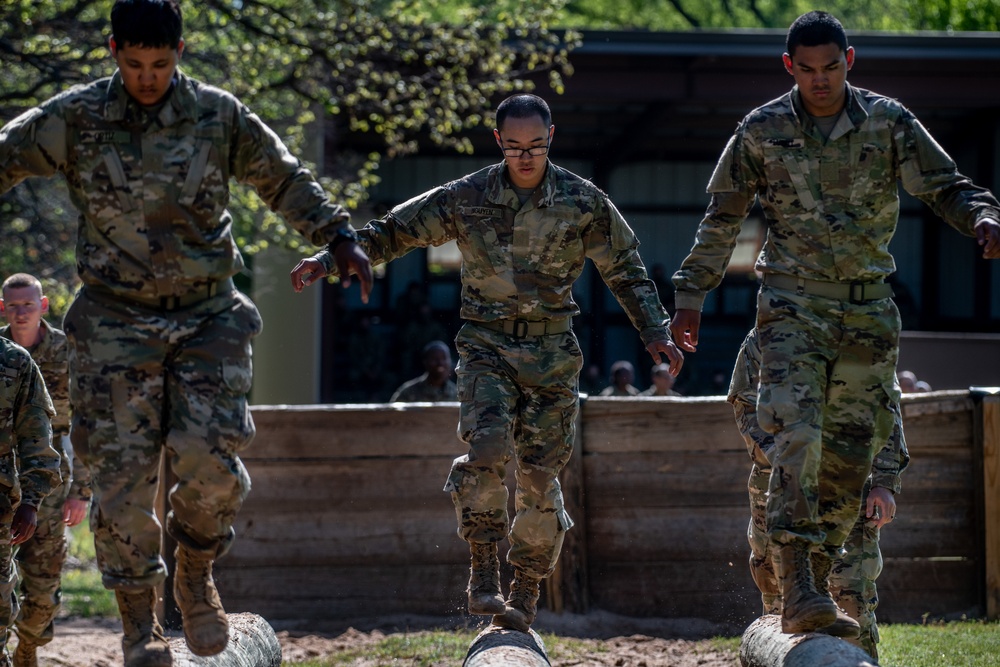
{"points": [[520, 329], [860, 291], [169, 303]]}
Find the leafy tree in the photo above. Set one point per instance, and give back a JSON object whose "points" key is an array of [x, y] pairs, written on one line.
{"points": [[888, 15], [386, 71]]}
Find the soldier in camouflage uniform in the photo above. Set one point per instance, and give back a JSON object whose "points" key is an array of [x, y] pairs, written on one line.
{"points": [[852, 576], [40, 560], [435, 384], [29, 467], [525, 228], [159, 337], [823, 161]]}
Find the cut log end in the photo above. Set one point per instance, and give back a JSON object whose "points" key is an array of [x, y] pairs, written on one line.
{"points": [[252, 643], [500, 647], [765, 645]]}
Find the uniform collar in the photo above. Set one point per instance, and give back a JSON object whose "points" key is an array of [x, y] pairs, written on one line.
{"points": [[500, 190], [855, 111], [181, 103]]}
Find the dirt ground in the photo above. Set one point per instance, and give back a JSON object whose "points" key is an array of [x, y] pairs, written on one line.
{"points": [[610, 641]]}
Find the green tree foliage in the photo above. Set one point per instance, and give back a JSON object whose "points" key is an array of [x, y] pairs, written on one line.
{"points": [[386, 71], [887, 15]]}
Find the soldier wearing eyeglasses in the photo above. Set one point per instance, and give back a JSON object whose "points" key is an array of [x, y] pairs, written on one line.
{"points": [[524, 227]]}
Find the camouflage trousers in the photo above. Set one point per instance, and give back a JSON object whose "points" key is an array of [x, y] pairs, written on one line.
{"points": [[519, 399], [8, 576], [146, 384], [827, 388], [853, 575], [40, 562]]}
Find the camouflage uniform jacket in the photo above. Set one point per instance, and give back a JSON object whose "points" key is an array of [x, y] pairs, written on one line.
{"points": [[889, 462], [418, 390], [52, 357], [520, 261], [152, 192], [831, 205], [29, 467]]}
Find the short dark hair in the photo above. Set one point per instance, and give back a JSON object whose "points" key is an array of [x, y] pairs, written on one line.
{"points": [[22, 280], [815, 29], [523, 105], [148, 23]]}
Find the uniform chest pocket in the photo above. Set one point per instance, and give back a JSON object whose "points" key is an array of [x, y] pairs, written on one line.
{"points": [[873, 173], [557, 246], [104, 182], [788, 174], [204, 188]]}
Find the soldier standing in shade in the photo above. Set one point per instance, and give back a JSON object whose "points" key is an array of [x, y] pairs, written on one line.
{"points": [[823, 161], [159, 336], [435, 384], [40, 559], [525, 228], [852, 574], [29, 467]]}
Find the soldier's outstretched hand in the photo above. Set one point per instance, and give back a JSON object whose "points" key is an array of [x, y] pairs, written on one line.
{"points": [[667, 348], [684, 328], [988, 235], [349, 258]]}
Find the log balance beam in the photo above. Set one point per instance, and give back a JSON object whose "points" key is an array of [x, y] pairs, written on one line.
{"points": [[252, 643], [765, 645], [500, 647]]}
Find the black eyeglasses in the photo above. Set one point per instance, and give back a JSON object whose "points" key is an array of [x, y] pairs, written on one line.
{"points": [[534, 151]]}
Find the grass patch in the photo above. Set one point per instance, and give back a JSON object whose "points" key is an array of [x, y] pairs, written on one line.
{"points": [[420, 649], [966, 643], [83, 594]]}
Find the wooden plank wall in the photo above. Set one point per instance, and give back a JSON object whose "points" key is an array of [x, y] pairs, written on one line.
{"points": [[347, 517]]}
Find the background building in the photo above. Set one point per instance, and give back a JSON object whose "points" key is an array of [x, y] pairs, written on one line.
{"points": [[645, 116]]}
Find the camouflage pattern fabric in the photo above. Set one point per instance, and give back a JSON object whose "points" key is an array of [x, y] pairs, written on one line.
{"points": [[831, 205], [419, 390], [853, 575], [152, 191], [520, 400], [827, 395], [521, 261], [519, 397], [145, 380], [29, 466], [41, 558], [52, 356]]}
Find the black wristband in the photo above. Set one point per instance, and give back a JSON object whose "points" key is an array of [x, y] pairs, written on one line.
{"points": [[341, 235]]}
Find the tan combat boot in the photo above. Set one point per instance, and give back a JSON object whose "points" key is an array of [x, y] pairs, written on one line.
{"points": [[844, 626], [804, 609], [206, 628], [484, 580], [522, 605], [143, 642]]}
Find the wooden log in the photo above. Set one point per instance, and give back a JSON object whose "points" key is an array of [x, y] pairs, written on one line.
{"points": [[765, 645], [252, 643], [500, 647]]}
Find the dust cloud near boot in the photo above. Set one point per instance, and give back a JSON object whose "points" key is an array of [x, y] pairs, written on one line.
{"points": [[206, 628], [844, 626], [804, 609], [522, 605], [143, 642], [485, 598]]}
